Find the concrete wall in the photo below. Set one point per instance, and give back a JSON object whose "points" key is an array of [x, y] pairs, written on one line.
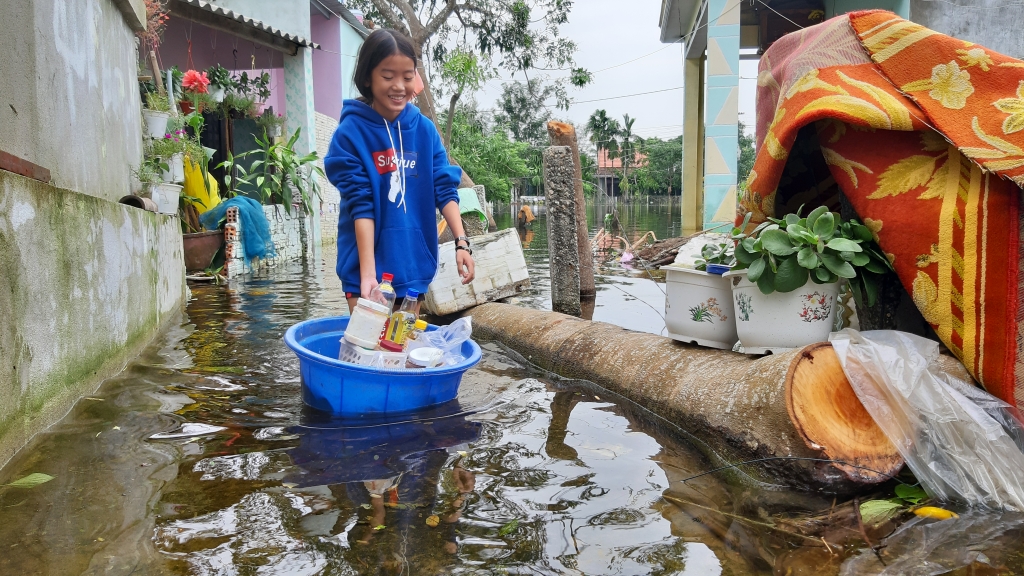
{"points": [[994, 24], [86, 283], [835, 7], [325, 127], [327, 66], [68, 97]]}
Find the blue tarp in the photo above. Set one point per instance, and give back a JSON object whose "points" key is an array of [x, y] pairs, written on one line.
{"points": [[256, 240]]}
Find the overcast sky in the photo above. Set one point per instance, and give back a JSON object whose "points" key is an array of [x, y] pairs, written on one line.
{"points": [[611, 32]]}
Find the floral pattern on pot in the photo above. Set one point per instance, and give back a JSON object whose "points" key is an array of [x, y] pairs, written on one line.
{"points": [[706, 312], [745, 304], [816, 307]]}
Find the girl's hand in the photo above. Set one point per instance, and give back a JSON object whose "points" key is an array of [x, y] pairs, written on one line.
{"points": [[464, 264], [366, 286]]}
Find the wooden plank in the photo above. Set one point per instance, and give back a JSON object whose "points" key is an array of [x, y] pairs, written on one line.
{"points": [[500, 273], [23, 167]]}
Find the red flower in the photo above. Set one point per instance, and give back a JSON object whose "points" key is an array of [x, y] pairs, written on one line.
{"points": [[195, 82]]}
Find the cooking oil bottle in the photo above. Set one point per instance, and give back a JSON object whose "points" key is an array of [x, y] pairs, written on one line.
{"points": [[403, 321]]}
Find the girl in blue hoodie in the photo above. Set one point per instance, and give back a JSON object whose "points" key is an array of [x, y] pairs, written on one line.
{"points": [[392, 171]]}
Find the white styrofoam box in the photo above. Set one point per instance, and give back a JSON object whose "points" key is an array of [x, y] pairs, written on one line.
{"points": [[689, 253], [500, 273]]}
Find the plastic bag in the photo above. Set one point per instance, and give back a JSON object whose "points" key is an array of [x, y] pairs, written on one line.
{"points": [[449, 339], [960, 442], [923, 547]]}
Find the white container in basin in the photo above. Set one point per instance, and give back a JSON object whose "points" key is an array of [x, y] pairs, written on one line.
{"points": [[781, 321], [359, 355], [166, 196], [698, 309], [367, 323]]}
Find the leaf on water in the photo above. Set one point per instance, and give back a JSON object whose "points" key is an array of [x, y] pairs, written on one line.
{"points": [[380, 527], [911, 494], [32, 480], [508, 528], [874, 512], [935, 513], [433, 521], [365, 506]]}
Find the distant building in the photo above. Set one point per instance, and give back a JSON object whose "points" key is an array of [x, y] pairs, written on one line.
{"points": [[609, 172], [713, 34]]}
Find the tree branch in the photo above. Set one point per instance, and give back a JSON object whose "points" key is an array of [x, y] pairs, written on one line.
{"points": [[440, 18], [393, 19]]}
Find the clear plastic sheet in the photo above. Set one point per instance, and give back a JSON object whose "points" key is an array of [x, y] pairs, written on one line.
{"points": [[449, 339], [925, 547], [960, 442]]}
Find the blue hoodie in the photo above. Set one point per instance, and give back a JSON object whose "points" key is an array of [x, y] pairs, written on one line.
{"points": [[368, 161]]}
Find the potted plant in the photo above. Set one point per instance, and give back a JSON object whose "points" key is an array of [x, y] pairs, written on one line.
{"points": [[148, 174], [257, 88], [697, 299], [272, 124], [220, 82], [786, 280], [170, 150], [156, 114], [196, 95], [277, 173]]}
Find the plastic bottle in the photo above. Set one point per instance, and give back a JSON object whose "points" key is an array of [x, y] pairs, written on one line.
{"points": [[404, 320], [384, 293]]}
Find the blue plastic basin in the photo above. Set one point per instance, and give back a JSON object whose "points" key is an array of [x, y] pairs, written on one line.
{"points": [[350, 390]]}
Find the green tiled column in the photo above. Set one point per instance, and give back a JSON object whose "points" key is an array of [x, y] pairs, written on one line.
{"points": [[298, 97], [721, 111]]}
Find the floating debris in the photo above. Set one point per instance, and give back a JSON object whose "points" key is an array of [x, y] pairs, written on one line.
{"points": [[187, 431]]}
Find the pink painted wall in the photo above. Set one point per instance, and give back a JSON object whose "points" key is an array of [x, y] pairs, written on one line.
{"points": [[327, 65], [211, 47]]}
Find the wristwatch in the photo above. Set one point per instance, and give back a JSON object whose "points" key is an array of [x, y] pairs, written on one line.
{"points": [[460, 238]]}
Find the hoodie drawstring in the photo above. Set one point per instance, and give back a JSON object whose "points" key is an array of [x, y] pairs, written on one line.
{"points": [[401, 160]]}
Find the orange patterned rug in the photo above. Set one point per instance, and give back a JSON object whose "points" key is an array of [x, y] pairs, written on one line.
{"points": [[924, 135]]}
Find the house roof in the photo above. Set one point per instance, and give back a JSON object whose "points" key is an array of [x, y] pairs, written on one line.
{"points": [[603, 161], [338, 9], [220, 18]]}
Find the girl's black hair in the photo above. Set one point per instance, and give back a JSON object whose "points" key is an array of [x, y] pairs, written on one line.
{"points": [[379, 45]]}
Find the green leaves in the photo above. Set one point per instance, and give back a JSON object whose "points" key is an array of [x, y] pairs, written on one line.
{"points": [[509, 528], [911, 494], [31, 481], [782, 254], [777, 242], [875, 512]]}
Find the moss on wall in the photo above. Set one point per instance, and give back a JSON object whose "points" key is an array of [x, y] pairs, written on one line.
{"points": [[88, 283]]}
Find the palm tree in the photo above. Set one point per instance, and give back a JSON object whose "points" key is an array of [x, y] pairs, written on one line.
{"points": [[628, 145], [604, 132]]}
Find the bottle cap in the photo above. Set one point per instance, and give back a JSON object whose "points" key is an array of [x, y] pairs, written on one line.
{"points": [[412, 294], [421, 325], [390, 346], [387, 277]]}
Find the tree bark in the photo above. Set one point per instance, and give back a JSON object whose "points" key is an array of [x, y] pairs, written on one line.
{"points": [[451, 119], [561, 223], [797, 404], [563, 134]]}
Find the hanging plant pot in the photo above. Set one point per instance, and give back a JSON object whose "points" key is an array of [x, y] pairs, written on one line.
{"points": [[697, 308], [201, 248], [167, 175], [187, 107], [156, 122], [166, 197], [781, 321], [217, 94]]}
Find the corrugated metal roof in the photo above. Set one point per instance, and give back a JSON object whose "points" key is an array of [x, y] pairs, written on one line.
{"points": [[338, 9], [221, 11]]}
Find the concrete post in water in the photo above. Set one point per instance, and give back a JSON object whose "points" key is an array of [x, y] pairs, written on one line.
{"points": [[560, 198], [563, 134]]}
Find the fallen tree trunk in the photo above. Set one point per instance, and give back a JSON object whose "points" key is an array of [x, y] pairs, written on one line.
{"points": [[797, 404]]}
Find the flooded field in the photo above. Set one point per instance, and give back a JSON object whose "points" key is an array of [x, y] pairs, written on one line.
{"points": [[201, 459]]}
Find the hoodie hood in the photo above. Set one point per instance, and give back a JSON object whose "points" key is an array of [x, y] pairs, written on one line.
{"points": [[360, 111]]}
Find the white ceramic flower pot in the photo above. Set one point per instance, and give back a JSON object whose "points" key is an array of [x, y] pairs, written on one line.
{"points": [[166, 198], [217, 94], [177, 166], [778, 322], [697, 308], [156, 122]]}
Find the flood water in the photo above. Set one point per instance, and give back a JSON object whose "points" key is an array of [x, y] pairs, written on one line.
{"points": [[201, 459]]}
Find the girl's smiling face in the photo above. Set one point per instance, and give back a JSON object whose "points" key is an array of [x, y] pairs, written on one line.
{"points": [[391, 83]]}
